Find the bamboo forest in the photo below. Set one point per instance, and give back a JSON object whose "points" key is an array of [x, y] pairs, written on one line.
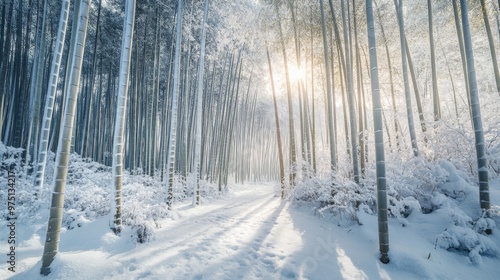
{"points": [[249, 139]]}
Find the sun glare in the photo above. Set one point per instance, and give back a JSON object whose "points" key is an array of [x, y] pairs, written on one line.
{"points": [[297, 74]]}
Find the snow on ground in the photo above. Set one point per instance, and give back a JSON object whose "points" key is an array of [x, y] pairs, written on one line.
{"points": [[252, 234]]}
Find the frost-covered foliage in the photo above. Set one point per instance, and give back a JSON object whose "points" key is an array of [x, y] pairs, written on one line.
{"points": [[434, 188], [340, 197], [438, 188], [455, 143], [464, 239], [11, 159], [89, 191]]}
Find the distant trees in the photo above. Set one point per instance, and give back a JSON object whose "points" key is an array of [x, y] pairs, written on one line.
{"points": [[291, 125], [199, 106], [331, 130], [435, 91], [491, 43], [278, 131], [409, 110], [348, 72]]}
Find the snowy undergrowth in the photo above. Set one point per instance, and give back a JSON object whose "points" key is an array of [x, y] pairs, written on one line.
{"points": [[332, 195], [89, 191], [414, 187]]}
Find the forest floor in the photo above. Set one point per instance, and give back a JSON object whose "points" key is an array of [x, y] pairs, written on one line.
{"points": [[252, 234]]}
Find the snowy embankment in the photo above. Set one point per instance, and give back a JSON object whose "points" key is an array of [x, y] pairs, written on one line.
{"points": [[249, 233]]}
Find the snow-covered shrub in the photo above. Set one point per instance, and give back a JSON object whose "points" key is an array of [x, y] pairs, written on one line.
{"points": [[87, 202], [11, 159], [401, 207], [143, 206], [88, 188], [416, 178], [211, 190], [457, 144], [144, 232], [180, 188], [454, 144], [464, 239], [465, 233], [341, 198]]}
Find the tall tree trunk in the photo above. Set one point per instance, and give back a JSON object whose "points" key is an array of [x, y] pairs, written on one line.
{"points": [[293, 154], [74, 26], [121, 109], [173, 113], [5, 62], [304, 147], [484, 193], [2, 27], [462, 52], [313, 111], [62, 156], [37, 91], [334, 98], [416, 90], [409, 111], [88, 115], [278, 132], [492, 44], [383, 228], [153, 143], [199, 105], [361, 94], [51, 96], [331, 131], [435, 92], [452, 85], [391, 81], [350, 92]]}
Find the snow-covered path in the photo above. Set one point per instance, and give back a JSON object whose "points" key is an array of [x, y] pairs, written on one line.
{"points": [[251, 235], [235, 238]]}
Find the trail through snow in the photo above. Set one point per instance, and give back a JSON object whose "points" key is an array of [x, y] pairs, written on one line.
{"points": [[251, 234]]}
